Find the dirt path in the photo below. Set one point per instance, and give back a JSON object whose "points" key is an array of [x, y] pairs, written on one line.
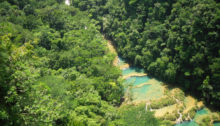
{"points": [[112, 50]]}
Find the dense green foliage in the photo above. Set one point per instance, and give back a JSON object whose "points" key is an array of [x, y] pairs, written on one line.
{"points": [[137, 116], [55, 67], [56, 70], [175, 41]]}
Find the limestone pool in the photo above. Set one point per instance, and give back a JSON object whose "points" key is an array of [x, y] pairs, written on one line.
{"points": [[132, 70], [216, 123], [135, 81], [142, 87], [145, 88], [193, 123]]}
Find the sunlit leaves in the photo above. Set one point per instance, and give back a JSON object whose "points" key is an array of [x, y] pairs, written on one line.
{"points": [[137, 115], [173, 40]]}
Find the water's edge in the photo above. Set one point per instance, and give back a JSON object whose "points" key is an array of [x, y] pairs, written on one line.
{"points": [[148, 90]]}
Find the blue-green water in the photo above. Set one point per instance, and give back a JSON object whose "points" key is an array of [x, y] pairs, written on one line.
{"points": [[120, 61], [132, 70], [193, 123], [188, 123], [137, 80], [201, 112], [140, 92], [216, 123], [142, 89]]}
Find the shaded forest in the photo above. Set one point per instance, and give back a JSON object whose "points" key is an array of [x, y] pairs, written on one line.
{"points": [[55, 67], [174, 41]]}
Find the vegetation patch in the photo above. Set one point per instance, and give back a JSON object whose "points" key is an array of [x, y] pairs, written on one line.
{"points": [[163, 102], [189, 104], [137, 115]]}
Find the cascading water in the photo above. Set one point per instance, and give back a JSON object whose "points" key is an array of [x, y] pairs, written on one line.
{"points": [[142, 89]]}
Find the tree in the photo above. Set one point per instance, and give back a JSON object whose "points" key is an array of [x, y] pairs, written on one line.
{"points": [[136, 115]]}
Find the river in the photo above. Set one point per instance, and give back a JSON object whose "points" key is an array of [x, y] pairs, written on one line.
{"points": [[139, 88], [146, 89]]}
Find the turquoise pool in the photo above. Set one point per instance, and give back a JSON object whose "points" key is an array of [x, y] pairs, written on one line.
{"points": [[188, 123], [201, 112], [137, 80], [148, 91], [132, 70], [120, 61], [193, 123], [140, 93], [216, 123]]}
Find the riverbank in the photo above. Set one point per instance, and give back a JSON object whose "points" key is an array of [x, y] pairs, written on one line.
{"points": [[168, 104]]}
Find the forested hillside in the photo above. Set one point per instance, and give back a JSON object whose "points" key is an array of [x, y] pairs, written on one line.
{"points": [[176, 41], [55, 67]]}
